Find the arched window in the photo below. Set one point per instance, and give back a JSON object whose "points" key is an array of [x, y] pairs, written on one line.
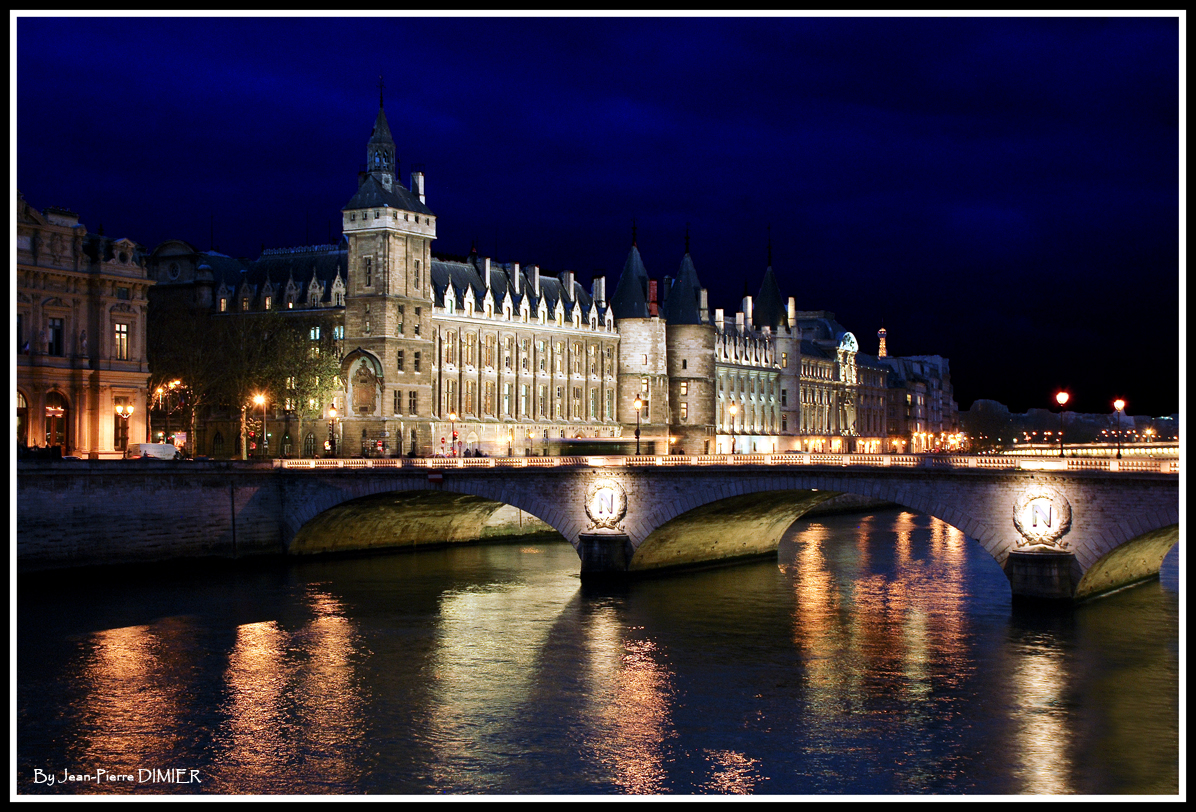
{"points": [[309, 445], [218, 445]]}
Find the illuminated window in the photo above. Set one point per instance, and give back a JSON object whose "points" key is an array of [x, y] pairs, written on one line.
{"points": [[684, 411], [122, 342]]}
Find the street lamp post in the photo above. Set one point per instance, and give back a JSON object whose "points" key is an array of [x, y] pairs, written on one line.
{"points": [[734, 408], [260, 400], [452, 416], [1119, 404], [332, 431], [124, 413], [639, 404], [1062, 399]]}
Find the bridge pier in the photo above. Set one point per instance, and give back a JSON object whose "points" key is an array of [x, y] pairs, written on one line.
{"points": [[603, 554], [1041, 575]]}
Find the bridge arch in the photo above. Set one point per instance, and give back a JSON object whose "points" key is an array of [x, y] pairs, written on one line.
{"points": [[1129, 560], [377, 513], [748, 517]]}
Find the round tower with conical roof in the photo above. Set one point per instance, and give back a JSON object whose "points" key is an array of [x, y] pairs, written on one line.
{"points": [[689, 349], [643, 358]]}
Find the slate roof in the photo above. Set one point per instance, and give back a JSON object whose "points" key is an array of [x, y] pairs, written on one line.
{"points": [[467, 273], [768, 308], [631, 295], [373, 194], [821, 329], [811, 350], [280, 264], [684, 300]]}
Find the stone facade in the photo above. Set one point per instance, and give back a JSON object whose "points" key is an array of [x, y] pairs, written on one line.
{"points": [[518, 362], [81, 336]]}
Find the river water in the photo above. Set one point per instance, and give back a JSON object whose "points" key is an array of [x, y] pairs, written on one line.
{"points": [[876, 655]]}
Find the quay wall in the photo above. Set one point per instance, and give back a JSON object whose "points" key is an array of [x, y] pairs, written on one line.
{"points": [[86, 512]]}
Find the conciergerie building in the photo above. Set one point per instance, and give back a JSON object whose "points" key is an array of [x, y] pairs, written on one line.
{"points": [[518, 361]]}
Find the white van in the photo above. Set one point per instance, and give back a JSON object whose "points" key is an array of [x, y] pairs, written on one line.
{"points": [[155, 451]]}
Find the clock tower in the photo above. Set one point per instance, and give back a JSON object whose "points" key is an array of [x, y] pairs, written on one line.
{"points": [[388, 306]]}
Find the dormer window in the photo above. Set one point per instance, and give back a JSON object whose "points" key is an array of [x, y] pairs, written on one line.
{"points": [[269, 301], [223, 304]]}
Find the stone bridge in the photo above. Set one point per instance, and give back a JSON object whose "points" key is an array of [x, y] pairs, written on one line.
{"points": [[1056, 533]]}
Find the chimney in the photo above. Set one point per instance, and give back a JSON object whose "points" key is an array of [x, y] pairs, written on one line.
{"points": [[535, 269], [653, 307], [566, 278], [516, 278], [718, 317], [417, 183], [704, 306], [485, 269], [747, 309], [598, 289], [792, 312], [739, 322]]}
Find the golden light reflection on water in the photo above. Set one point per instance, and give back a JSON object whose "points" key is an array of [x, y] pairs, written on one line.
{"points": [[633, 720], [899, 629], [291, 693], [1043, 731], [483, 670], [133, 698], [732, 773], [257, 678]]}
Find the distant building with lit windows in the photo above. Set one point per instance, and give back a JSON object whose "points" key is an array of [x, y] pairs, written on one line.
{"points": [[517, 361], [81, 364]]}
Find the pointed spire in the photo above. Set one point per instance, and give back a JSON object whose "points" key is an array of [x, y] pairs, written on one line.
{"points": [[631, 295], [770, 245], [683, 304], [687, 239], [381, 85], [769, 309], [633, 230]]}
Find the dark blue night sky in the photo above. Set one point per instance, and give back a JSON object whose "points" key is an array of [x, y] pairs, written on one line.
{"points": [[1004, 192]]}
